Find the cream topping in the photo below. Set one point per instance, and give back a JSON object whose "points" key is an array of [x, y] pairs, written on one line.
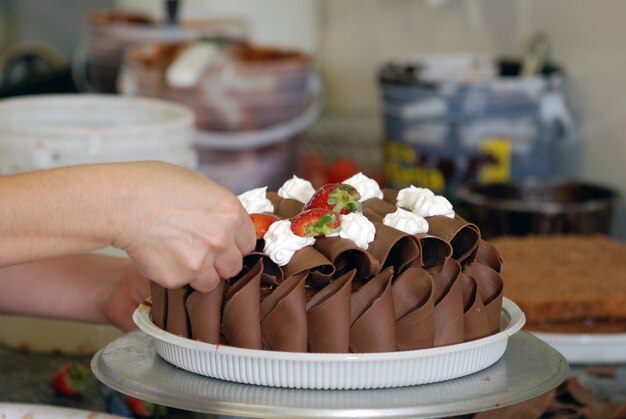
{"points": [[406, 221], [297, 188], [424, 202], [366, 187], [356, 227], [255, 201], [281, 243]]}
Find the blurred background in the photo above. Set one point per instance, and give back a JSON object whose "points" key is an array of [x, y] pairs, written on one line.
{"points": [[514, 110]]}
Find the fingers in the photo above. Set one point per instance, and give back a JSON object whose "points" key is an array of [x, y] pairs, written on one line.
{"points": [[228, 263], [207, 279], [245, 238]]}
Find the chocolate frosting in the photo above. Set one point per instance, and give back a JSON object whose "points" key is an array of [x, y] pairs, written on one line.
{"points": [[379, 207], [371, 215], [328, 316], [475, 324], [284, 207], [488, 255], [204, 310], [448, 304], [159, 304], [372, 316], [241, 323], [309, 259], [345, 255], [283, 317], [394, 248], [177, 321], [491, 289], [272, 273], [434, 251], [414, 306], [462, 236]]}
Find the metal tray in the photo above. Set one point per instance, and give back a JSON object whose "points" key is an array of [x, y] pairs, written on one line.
{"points": [[528, 368]]}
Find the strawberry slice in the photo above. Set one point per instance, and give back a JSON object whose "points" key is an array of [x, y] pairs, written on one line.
{"points": [[337, 197], [315, 222], [71, 379], [143, 409], [262, 222]]}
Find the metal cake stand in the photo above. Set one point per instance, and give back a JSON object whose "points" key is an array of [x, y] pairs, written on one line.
{"points": [[528, 368]]}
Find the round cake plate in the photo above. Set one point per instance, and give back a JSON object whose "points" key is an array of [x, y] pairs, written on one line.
{"points": [[528, 368]]}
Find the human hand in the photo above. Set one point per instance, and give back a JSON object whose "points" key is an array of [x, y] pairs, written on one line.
{"points": [[178, 226], [121, 294]]}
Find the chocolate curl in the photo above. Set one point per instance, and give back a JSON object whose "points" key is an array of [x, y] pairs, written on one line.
{"points": [[393, 247], [475, 324], [372, 316], [158, 296], [390, 195], [414, 306], [284, 207], [241, 321], [491, 289], [272, 274], [448, 304], [310, 260], [177, 321], [462, 236], [488, 255], [434, 251], [372, 215], [204, 310], [328, 316], [379, 207], [345, 255], [283, 317]]}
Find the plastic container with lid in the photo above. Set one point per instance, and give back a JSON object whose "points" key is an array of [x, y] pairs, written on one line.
{"points": [[41, 132]]}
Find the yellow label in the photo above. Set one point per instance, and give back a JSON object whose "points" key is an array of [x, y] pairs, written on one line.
{"points": [[401, 169], [500, 170]]}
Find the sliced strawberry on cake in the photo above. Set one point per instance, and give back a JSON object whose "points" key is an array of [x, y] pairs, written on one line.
{"points": [[337, 197], [262, 222], [315, 222]]}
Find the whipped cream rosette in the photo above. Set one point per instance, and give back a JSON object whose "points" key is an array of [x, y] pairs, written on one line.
{"points": [[372, 316], [297, 188], [367, 187], [448, 304], [328, 315], [255, 201], [204, 310], [491, 289], [413, 298], [241, 319], [283, 316], [475, 322]]}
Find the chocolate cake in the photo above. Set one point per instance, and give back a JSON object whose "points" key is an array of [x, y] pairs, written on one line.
{"points": [[567, 283], [401, 291]]}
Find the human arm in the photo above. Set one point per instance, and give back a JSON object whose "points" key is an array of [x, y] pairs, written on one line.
{"points": [[89, 288], [177, 225]]}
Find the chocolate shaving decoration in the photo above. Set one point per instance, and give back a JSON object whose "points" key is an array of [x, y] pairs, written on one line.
{"points": [[390, 195], [328, 316], [394, 248], [488, 255], [380, 207], [475, 323], [448, 304], [205, 314], [371, 215], [310, 260], [283, 317], [491, 288], [345, 255], [159, 304], [372, 316], [241, 322], [177, 321], [284, 207], [414, 306], [434, 251], [462, 236], [272, 274]]}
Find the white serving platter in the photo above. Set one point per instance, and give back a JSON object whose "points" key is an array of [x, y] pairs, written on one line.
{"points": [[332, 371], [588, 348]]}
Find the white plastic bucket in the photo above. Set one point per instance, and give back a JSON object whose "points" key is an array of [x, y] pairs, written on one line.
{"points": [[41, 132], [245, 160]]}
